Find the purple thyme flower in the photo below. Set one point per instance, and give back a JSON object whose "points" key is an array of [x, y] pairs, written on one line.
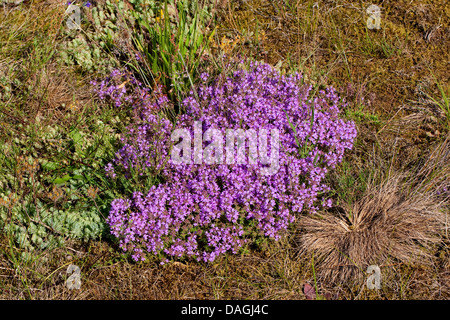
{"points": [[202, 211]]}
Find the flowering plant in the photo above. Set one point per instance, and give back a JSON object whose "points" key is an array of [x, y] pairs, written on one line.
{"points": [[201, 210]]}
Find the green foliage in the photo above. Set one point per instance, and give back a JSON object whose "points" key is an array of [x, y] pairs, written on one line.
{"points": [[306, 148], [360, 116], [112, 33], [51, 226], [174, 50], [52, 183], [444, 102], [380, 45], [79, 52], [34, 221], [350, 182], [6, 83]]}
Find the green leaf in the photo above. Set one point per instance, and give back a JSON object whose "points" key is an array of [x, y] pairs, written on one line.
{"points": [[293, 129], [62, 180], [49, 165]]}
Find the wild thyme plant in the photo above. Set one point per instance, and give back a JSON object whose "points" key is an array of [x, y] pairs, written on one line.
{"points": [[204, 210]]}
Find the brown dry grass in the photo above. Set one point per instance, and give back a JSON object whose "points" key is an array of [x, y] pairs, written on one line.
{"points": [[401, 219], [42, 87], [383, 226]]}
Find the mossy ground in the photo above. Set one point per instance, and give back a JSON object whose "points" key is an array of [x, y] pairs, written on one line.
{"points": [[387, 77]]}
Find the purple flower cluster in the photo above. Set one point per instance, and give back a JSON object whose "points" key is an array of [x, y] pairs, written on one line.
{"points": [[122, 89], [443, 191], [204, 210]]}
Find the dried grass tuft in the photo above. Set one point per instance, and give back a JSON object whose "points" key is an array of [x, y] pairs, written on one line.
{"points": [[399, 220]]}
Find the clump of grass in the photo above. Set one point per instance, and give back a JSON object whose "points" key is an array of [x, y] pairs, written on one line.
{"points": [[174, 53], [400, 219], [443, 103]]}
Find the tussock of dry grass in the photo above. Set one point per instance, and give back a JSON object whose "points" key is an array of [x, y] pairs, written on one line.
{"points": [[400, 219]]}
